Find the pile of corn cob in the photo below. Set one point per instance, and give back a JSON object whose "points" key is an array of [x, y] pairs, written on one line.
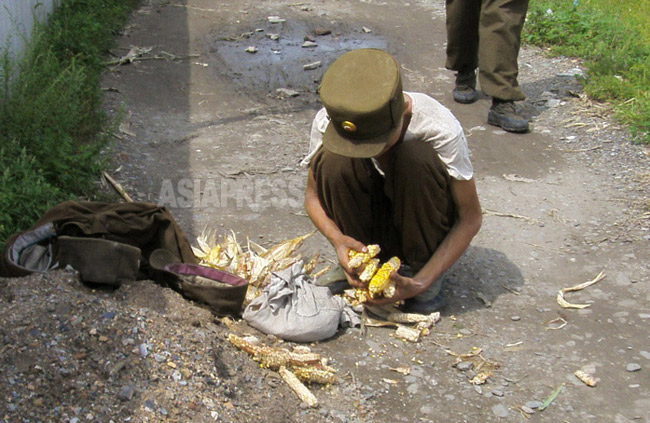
{"points": [[254, 262], [369, 271], [295, 366]]}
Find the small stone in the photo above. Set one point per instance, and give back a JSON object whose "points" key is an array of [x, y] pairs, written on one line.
{"points": [[275, 19], [633, 367], [534, 404], [500, 410], [309, 44], [312, 66], [427, 409], [497, 392], [93, 331], [171, 364], [321, 31], [251, 49], [143, 350], [126, 393], [286, 92], [102, 338], [464, 366], [366, 29], [527, 409], [159, 357], [515, 318], [274, 37], [108, 315], [645, 354]]}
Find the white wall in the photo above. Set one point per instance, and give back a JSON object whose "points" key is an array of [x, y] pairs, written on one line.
{"points": [[17, 18]]}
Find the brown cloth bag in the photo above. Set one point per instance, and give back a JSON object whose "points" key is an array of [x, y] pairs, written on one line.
{"points": [[142, 225], [111, 243]]}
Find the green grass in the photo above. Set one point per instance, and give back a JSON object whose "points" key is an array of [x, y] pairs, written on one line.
{"points": [[51, 124], [613, 38]]}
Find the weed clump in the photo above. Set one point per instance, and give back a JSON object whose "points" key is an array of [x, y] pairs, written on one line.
{"points": [[51, 127], [616, 53]]}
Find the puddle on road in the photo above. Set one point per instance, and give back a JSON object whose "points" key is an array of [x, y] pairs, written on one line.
{"points": [[279, 63]]}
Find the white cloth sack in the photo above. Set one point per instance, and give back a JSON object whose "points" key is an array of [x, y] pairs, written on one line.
{"points": [[291, 307]]}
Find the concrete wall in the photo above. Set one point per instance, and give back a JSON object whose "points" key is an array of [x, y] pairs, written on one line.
{"points": [[17, 18]]}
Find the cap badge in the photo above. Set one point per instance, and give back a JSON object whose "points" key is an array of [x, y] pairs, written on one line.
{"points": [[348, 126]]}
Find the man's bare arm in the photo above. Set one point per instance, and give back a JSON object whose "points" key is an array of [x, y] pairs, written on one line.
{"points": [[468, 223], [341, 243]]}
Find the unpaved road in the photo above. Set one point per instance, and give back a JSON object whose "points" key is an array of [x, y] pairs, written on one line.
{"points": [[208, 135]]}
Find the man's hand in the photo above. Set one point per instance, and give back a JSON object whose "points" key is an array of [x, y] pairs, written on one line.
{"points": [[404, 288], [343, 245]]}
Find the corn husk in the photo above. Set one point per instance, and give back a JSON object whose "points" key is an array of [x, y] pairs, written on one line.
{"points": [[253, 263], [565, 304]]}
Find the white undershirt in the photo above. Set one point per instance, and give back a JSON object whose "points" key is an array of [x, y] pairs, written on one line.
{"points": [[431, 122]]}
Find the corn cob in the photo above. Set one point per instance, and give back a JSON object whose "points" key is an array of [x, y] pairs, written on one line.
{"points": [[369, 270], [585, 378], [389, 290], [301, 390], [311, 375], [356, 258], [428, 319], [381, 279], [408, 334], [274, 358]]}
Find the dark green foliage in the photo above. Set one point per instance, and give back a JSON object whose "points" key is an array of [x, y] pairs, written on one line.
{"points": [[616, 56], [50, 122]]}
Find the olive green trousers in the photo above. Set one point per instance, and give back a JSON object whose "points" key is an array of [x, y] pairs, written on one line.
{"points": [[487, 34], [408, 212]]}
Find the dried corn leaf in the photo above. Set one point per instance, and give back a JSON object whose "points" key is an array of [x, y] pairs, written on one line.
{"points": [[560, 295], [402, 370], [254, 264], [285, 249]]}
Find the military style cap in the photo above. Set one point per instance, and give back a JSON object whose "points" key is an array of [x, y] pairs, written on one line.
{"points": [[362, 93]]}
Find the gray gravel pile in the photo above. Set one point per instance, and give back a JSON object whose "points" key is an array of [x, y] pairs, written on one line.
{"points": [[141, 353]]}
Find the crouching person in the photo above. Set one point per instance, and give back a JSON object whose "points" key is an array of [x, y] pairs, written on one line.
{"points": [[391, 168]]}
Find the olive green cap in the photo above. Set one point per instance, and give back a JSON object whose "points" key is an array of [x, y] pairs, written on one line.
{"points": [[362, 93]]}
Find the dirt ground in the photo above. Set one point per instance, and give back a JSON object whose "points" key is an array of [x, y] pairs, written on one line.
{"points": [[206, 132]]}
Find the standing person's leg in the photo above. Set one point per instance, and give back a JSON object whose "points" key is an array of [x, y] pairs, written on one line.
{"points": [[500, 39], [418, 183], [462, 46]]}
